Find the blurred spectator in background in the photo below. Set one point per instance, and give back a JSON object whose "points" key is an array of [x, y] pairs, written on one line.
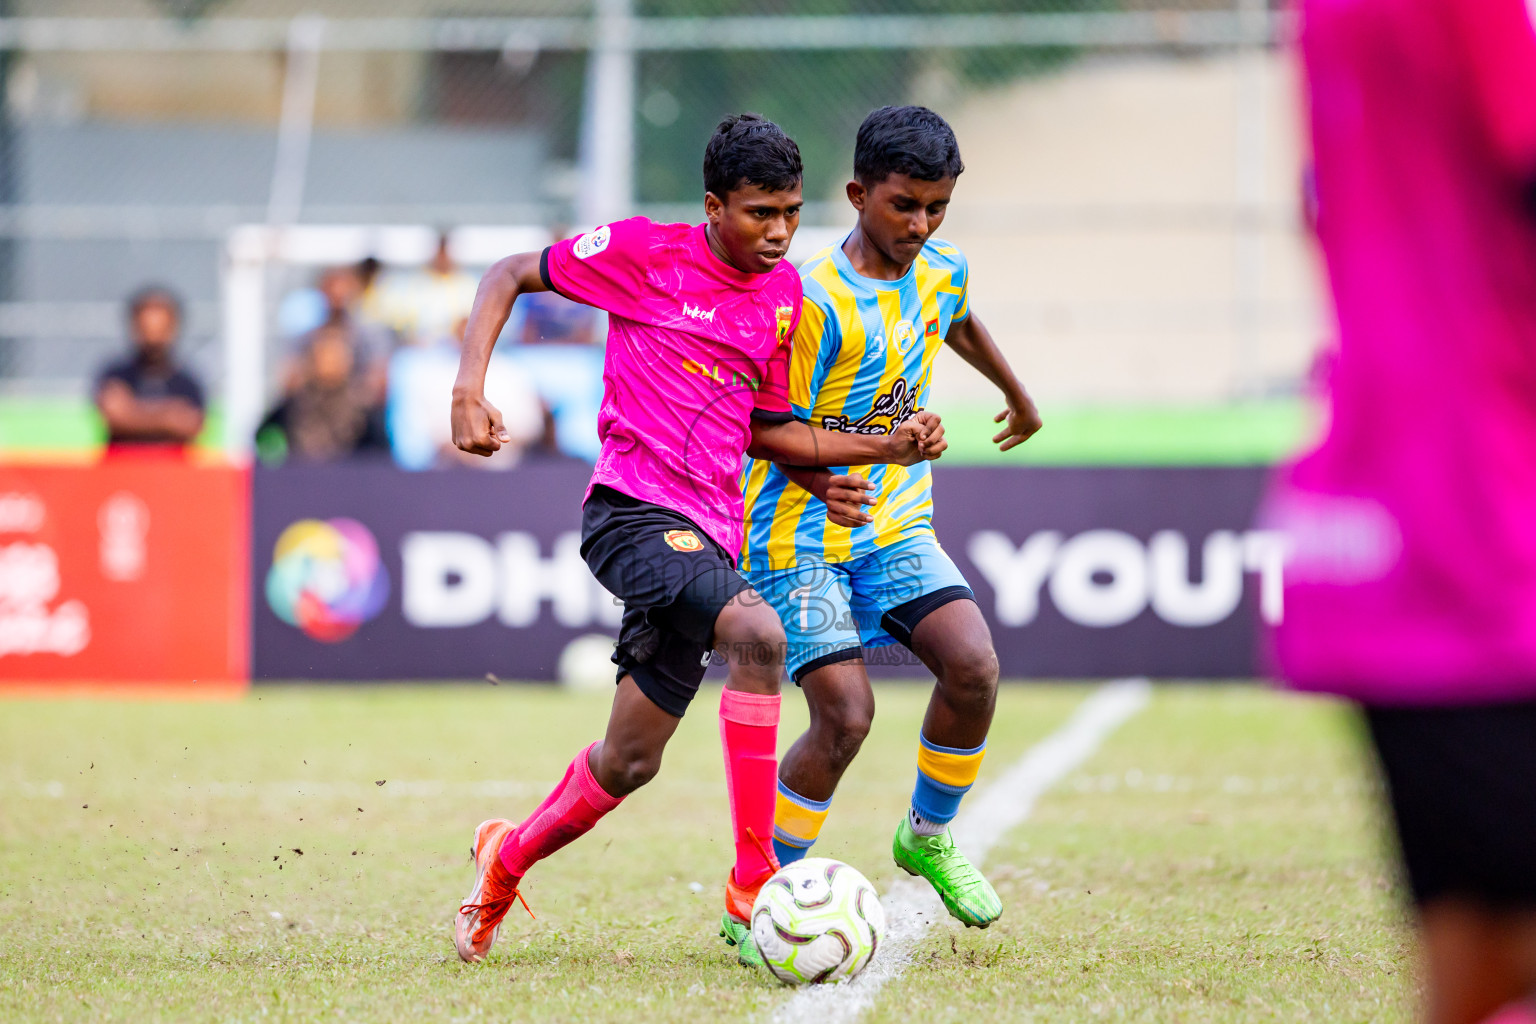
{"points": [[422, 306], [330, 411], [301, 310], [149, 402], [341, 289], [368, 310], [420, 394], [558, 351]]}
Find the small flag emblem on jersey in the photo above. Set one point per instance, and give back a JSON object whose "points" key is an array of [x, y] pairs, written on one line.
{"points": [[683, 540], [931, 330]]}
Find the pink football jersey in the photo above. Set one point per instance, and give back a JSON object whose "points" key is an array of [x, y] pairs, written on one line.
{"points": [[694, 347], [1412, 577]]}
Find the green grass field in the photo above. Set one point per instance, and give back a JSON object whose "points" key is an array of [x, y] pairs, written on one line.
{"points": [[1218, 859]]}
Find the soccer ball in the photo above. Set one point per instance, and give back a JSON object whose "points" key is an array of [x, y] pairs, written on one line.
{"points": [[817, 921]]}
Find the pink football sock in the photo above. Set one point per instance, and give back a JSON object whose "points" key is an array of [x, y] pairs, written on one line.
{"points": [[749, 732], [1514, 1013], [568, 813]]}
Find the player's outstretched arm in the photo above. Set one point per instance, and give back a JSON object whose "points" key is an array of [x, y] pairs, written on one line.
{"points": [[973, 342], [793, 443], [847, 495], [477, 426]]}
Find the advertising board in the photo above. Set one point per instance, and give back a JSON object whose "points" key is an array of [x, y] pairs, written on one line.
{"points": [[361, 572], [128, 573]]}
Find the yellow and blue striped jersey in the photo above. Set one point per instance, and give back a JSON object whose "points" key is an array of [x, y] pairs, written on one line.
{"points": [[861, 362]]}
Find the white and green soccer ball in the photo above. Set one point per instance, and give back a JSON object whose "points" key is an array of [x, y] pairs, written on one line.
{"points": [[817, 921]]}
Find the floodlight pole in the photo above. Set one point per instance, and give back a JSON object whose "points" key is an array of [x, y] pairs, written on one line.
{"points": [[608, 118]]}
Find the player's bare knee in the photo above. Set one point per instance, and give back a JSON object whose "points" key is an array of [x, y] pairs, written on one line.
{"points": [[970, 676], [633, 772], [757, 668], [762, 649], [621, 771], [842, 722], [849, 725], [753, 637]]}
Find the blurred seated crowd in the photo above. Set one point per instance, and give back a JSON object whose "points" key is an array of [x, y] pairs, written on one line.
{"points": [[369, 359]]}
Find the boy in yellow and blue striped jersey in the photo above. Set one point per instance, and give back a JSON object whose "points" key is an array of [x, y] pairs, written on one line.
{"points": [[877, 308]]}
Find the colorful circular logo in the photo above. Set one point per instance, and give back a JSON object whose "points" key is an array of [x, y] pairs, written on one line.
{"points": [[326, 578]]}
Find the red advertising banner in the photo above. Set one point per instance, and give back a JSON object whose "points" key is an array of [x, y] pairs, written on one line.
{"points": [[130, 574]]}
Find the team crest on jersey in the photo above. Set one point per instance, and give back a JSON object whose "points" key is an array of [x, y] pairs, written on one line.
{"points": [[785, 316], [905, 335], [683, 540], [593, 242]]}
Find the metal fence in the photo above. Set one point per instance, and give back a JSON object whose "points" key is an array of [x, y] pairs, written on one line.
{"points": [[134, 145]]}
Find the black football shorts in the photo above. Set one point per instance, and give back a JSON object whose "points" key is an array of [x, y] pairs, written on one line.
{"points": [[674, 580], [1462, 784]]}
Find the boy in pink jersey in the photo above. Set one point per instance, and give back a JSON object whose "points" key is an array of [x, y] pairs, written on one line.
{"points": [[1411, 585], [698, 343]]}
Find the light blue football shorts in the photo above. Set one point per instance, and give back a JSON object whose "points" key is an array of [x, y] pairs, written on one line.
{"points": [[832, 610]]}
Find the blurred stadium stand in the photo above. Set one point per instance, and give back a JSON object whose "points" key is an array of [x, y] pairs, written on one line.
{"points": [[1130, 206]]}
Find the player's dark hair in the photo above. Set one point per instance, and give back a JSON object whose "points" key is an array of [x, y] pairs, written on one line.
{"points": [[154, 295], [749, 149], [905, 140]]}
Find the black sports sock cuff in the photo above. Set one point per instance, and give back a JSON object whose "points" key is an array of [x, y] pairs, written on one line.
{"points": [[846, 654], [903, 619]]}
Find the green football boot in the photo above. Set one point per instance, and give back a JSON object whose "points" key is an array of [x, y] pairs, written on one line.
{"points": [[735, 923], [969, 897], [739, 934]]}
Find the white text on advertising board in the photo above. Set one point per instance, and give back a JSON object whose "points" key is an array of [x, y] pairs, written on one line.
{"points": [[1105, 578], [454, 579]]}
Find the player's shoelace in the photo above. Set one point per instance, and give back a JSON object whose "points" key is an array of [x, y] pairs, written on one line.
{"points": [[491, 913], [769, 859], [951, 861]]}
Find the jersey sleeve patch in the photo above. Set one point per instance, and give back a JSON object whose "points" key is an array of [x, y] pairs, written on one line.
{"points": [[592, 243], [604, 267]]}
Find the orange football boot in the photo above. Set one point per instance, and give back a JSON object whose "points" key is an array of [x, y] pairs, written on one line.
{"points": [[736, 922], [478, 921]]}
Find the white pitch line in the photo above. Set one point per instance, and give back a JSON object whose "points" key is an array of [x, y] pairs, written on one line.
{"points": [[911, 905]]}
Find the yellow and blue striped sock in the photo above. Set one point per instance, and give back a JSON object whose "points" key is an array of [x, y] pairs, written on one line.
{"points": [[796, 823], [944, 774]]}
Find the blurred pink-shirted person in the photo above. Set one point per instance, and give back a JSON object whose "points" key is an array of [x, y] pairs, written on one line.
{"points": [[1411, 586]]}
